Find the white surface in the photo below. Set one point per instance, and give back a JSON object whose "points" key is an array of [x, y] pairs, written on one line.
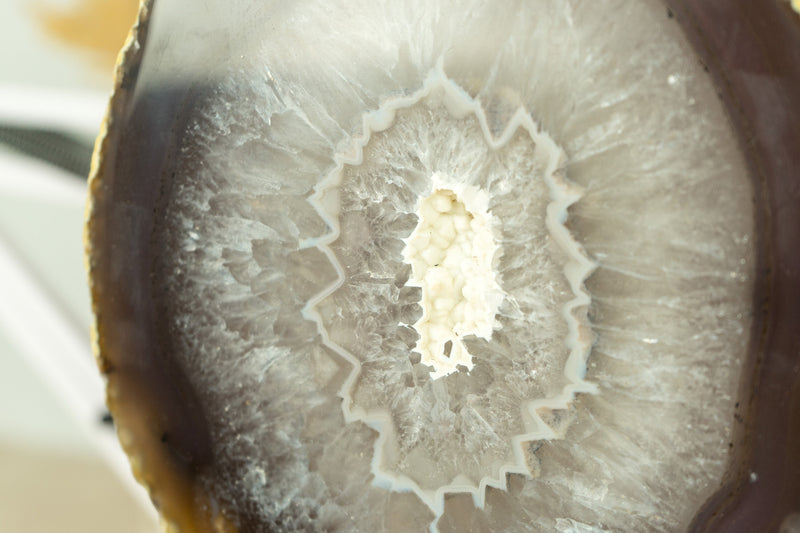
{"points": [[47, 374], [41, 220], [50, 388], [31, 58], [77, 111]]}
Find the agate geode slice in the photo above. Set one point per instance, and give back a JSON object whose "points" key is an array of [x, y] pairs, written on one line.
{"points": [[454, 266]]}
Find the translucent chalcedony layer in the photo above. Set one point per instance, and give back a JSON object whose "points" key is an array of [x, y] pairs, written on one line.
{"points": [[469, 429], [293, 340]]}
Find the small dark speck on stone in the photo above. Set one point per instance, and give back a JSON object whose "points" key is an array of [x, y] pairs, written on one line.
{"points": [[164, 437], [448, 348], [669, 13]]}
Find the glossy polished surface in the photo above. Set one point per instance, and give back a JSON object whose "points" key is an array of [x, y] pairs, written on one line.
{"points": [[175, 239]]}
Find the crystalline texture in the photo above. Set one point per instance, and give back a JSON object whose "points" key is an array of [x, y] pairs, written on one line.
{"points": [[436, 438], [296, 186]]}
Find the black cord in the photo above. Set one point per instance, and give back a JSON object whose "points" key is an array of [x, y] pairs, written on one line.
{"points": [[60, 149]]}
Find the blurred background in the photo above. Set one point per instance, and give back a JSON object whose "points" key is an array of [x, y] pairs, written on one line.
{"points": [[61, 469]]}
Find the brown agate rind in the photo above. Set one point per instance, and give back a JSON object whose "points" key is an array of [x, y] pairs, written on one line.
{"points": [[158, 421]]}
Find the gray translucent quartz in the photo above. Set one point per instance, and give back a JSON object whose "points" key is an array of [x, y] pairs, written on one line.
{"points": [[454, 435], [292, 308]]}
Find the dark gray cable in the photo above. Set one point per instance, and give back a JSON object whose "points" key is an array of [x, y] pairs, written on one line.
{"points": [[61, 149]]}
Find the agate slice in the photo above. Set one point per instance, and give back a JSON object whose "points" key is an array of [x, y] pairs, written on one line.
{"points": [[454, 266]]}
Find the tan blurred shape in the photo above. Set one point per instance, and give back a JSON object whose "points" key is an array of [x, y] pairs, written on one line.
{"points": [[95, 26], [46, 492]]}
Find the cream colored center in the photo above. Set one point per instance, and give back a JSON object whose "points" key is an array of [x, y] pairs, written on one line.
{"points": [[451, 253]]}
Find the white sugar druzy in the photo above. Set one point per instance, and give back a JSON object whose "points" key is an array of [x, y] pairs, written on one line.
{"points": [[452, 252]]}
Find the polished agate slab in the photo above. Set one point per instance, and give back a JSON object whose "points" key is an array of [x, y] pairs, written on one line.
{"points": [[451, 266]]}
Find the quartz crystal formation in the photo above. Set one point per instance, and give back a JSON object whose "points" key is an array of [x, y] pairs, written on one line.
{"points": [[463, 186], [422, 266]]}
